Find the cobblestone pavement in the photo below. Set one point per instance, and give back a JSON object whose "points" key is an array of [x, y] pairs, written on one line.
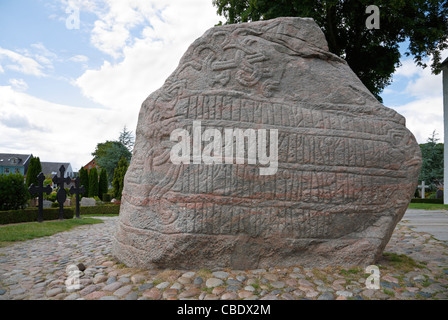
{"points": [[415, 266]]}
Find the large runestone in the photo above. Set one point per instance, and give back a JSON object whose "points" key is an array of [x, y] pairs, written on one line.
{"points": [[347, 165]]}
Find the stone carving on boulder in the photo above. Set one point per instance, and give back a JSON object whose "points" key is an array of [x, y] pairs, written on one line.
{"points": [[347, 165]]}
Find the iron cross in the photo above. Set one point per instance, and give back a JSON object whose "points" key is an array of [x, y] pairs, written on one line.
{"points": [[39, 190], [77, 190], [61, 196]]}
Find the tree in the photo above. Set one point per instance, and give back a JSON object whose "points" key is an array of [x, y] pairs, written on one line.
{"points": [[108, 154], [84, 180], [432, 161], [127, 139], [34, 168], [373, 54], [103, 184], [118, 180], [93, 183]]}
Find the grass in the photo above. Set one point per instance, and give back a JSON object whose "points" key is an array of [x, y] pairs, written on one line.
{"points": [[98, 215], [31, 230], [351, 272], [401, 262], [389, 292], [428, 206]]}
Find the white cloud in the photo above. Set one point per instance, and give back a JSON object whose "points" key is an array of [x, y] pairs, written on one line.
{"points": [[148, 58], [21, 63], [18, 84], [79, 58], [54, 132], [407, 68], [422, 83], [425, 113], [423, 116]]}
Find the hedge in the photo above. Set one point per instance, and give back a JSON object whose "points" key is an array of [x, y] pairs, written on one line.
{"points": [[418, 200], [103, 209], [30, 215]]}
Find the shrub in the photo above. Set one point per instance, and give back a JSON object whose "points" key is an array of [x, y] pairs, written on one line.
{"points": [[99, 210], [13, 192], [418, 200], [30, 215]]}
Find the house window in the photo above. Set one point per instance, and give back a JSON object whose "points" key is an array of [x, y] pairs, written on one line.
{"points": [[6, 170], [17, 170]]}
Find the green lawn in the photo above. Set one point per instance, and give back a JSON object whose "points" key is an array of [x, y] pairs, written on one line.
{"points": [[30, 230], [428, 206]]}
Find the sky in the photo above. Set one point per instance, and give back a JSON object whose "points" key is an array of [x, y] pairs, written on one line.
{"points": [[74, 73]]}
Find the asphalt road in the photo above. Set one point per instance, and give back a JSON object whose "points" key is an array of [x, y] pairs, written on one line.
{"points": [[434, 222]]}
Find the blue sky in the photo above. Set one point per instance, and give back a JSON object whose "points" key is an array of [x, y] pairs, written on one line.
{"points": [[64, 90]]}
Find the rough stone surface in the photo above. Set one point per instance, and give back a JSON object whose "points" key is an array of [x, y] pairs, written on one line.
{"points": [[347, 165]]}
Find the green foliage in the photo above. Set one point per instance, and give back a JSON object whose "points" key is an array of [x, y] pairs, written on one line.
{"points": [[13, 192], [51, 197], [93, 182], [372, 54], [108, 154], [103, 184], [34, 168], [118, 180], [107, 197], [432, 165], [84, 180], [30, 214]]}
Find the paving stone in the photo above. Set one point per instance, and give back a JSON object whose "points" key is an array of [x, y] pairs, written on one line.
{"points": [[53, 292], [326, 296], [163, 285], [278, 284], [344, 293], [121, 292], [190, 293], [189, 274], [145, 286], [113, 286], [25, 276], [152, 294], [213, 282], [229, 296], [220, 274]]}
